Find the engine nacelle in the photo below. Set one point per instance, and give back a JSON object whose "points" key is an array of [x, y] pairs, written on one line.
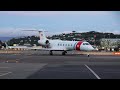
{"points": [[45, 43]]}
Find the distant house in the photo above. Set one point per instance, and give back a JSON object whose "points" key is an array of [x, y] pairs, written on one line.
{"points": [[109, 42], [27, 44]]}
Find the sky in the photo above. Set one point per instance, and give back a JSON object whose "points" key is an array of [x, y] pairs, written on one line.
{"points": [[55, 22]]}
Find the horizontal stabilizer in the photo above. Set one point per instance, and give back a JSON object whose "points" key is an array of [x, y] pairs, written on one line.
{"points": [[35, 30]]}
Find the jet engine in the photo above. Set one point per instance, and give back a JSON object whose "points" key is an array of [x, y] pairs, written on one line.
{"points": [[47, 43]]}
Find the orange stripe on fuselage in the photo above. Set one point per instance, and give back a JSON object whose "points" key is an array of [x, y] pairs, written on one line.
{"points": [[78, 45]]}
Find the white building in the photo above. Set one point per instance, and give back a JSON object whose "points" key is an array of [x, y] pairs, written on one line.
{"points": [[109, 42]]}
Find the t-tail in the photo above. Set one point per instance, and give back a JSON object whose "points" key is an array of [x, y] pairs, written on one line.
{"points": [[43, 40], [42, 35]]}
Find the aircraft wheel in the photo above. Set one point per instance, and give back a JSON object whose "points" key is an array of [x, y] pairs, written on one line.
{"points": [[51, 53], [88, 55], [63, 53]]}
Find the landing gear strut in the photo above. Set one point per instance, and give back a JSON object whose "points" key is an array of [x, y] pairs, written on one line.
{"points": [[88, 55], [51, 53], [64, 52]]}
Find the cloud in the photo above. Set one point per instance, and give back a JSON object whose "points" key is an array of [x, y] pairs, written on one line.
{"points": [[54, 13], [17, 32]]}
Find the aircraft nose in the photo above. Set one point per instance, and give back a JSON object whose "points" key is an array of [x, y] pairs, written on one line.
{"points": [[91, 48]]}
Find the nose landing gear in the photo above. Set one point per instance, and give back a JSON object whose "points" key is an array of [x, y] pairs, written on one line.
{"points": [[88, 55]]}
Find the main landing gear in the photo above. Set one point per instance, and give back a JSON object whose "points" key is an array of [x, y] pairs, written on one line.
{"points": [[51, 53], [88, 55], [64, 52]]}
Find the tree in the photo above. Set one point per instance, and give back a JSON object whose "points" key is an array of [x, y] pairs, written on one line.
{"points": [[3, 44], [118, 44], [73, 31]]}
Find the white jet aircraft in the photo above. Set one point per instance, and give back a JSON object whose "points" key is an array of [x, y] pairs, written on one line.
{"points": [[59, 45]]}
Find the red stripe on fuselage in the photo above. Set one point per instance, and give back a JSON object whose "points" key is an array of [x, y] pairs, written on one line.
{"points": [[77, 47]]}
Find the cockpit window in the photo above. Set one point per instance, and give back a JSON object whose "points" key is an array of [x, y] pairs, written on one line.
{"points": [[86, 44]]}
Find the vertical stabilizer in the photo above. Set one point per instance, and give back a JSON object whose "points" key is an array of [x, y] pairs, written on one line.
{"points": [[42, 35]]}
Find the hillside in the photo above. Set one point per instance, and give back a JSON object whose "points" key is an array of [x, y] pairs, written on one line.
{"points": [[92, 37]]}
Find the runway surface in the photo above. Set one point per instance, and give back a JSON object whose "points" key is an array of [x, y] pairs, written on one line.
{"points": [[39, 65]]}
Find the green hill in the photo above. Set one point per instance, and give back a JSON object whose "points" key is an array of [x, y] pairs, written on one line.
{"points": [[92, 37]]}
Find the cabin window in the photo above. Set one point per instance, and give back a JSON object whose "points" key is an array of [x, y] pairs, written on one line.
{"points": [[68, 44], [63, 44], [58, 44], [71, 44]]}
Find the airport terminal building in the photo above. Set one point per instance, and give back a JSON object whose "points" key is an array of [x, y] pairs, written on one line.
{"points": [[110, 43]]}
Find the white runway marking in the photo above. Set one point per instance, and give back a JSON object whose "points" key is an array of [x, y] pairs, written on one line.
{"points": [[5, 73], [93, 72]]}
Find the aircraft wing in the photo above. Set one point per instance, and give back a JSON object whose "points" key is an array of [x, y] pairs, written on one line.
{"points": [[23, 47], [48, 49], [15, 47], [39, 48]]}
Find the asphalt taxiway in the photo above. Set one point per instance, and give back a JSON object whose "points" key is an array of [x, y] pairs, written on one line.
{"points": [[71, 66]]}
